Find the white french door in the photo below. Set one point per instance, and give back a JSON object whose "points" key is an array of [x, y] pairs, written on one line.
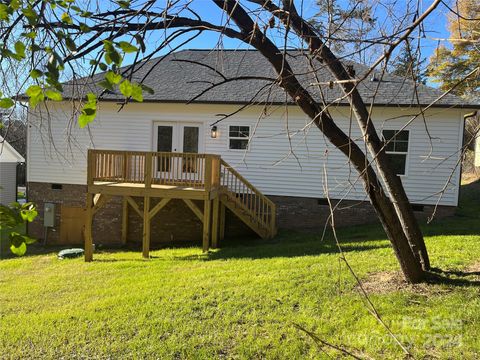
{"points": [[177, 137]]}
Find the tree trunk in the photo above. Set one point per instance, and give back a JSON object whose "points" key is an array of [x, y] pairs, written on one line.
{"points": [[375, 145], [409, 263]]}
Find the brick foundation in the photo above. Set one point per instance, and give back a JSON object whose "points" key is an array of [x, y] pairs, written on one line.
{"points": [[308, 214], [176, 222]]}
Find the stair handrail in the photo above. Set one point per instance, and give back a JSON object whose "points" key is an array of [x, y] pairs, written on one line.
{"points": [[270, 204]]}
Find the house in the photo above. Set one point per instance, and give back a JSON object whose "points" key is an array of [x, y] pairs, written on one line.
{"points": [[266, 164], [9, 159]]}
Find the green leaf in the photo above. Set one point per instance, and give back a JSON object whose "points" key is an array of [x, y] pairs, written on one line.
{"points": [[33, 90], [29, 240], [53, 95], [111, 55], [20, 49], [147, 89], [4, 12], [35, 94], [106, 85], [89, 111], [30, 35], [19, 250], [84, 27], [92, 98], [28, 212], [15, 4], [31, 15], [124, 4], [113, 78], [84, 120], [66, 19], [137, 93], [126, 47], [70, 44], [6, 103], [35, 74], [126, 88]]}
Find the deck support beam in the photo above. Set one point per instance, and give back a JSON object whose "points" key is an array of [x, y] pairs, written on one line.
{"points": [[99, 200], [88, 228], [207, 210], [124, 220], [215, 215], [146, 228], [161, 204], [194, 209], [135, 206]]}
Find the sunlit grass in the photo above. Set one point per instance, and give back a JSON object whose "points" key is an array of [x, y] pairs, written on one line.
{"points": [[241, 301]]}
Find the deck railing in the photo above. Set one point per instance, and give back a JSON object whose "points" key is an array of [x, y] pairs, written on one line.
{"points": [[200, 171], [261, 208], [197, 171]]}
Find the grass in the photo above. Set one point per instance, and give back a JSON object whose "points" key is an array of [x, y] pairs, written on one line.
{"points": [[243, 300]]}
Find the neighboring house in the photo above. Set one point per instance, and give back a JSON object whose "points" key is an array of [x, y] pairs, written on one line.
{"points": [[9, 159], [275, 148]]}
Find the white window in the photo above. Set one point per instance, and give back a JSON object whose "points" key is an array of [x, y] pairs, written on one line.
{"points": [[238, 137], [397, 149]]}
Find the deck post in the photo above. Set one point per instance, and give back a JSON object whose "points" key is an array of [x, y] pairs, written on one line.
{"points": [[124, 220], [207, 210], [216, 210], [222, 222], [148, 170], [146, 227], [91, 166], [88, 228], [208, 173]]}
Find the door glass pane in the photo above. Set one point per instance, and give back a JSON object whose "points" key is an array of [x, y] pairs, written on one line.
{"points": [[165, 138], [190, 145], [164, 144], [190, 139]]}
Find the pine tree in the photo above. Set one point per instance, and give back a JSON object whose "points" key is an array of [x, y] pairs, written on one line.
{"points": [[409, 64]]}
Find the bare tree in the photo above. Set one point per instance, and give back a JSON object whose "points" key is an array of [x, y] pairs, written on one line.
{"points": [[106, 32]]}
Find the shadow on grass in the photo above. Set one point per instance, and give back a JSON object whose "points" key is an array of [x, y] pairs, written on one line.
{"points": [[453, 277], [294, 244]]}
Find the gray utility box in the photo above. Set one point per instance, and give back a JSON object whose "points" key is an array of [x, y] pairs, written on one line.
{"points": [[49, 215]]}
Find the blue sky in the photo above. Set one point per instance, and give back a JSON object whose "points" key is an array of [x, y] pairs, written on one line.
{"points": [[435, 25]]}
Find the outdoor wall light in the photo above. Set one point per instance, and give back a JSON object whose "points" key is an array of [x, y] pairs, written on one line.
{"points": [[213, 132]]}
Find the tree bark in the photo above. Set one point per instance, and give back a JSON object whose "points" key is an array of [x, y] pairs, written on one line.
{"points": [[387, 214]]}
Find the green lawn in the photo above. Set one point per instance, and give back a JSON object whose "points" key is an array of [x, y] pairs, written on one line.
{"points": [[243, 300]]}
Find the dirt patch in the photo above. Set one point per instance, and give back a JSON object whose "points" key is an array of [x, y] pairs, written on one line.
{"points": [[390, 281], [473, 270], [384, 282]]}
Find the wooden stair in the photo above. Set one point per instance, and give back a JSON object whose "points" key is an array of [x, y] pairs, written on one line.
{"points": [[247, 202]]}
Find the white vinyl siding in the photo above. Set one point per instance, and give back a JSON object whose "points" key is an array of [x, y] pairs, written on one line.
{"points": [[278, 161], [8, 182]]}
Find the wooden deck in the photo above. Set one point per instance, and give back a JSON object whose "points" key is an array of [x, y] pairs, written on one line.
{"points": [[170, 176]]}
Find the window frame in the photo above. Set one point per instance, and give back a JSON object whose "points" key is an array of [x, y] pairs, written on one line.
{"points": [[238, 138], [394, 152]]}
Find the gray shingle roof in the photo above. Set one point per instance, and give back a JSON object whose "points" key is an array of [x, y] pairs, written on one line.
{"points": [[174, 80]]}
